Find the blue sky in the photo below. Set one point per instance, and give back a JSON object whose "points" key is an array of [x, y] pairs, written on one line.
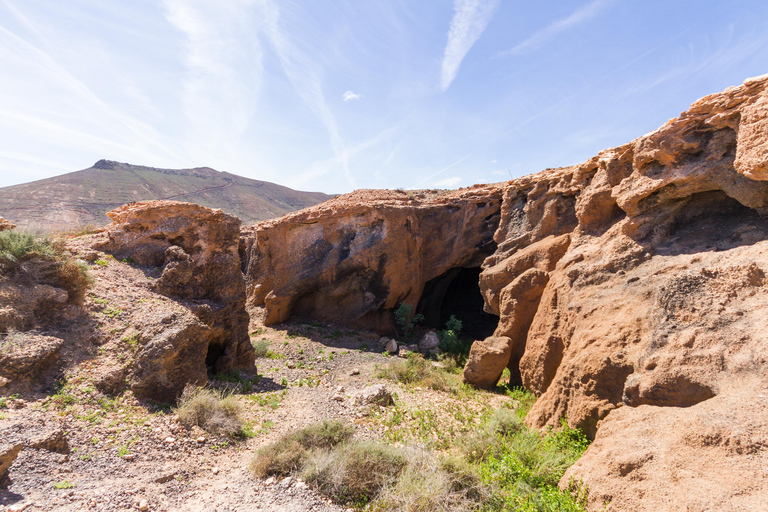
{"points": [[334, 95]]}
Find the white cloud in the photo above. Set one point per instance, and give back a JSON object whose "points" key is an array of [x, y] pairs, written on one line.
{"points": [[469, 21], [493, 161], [224, 67], [349, 95], [578, 16], [451, 182]]}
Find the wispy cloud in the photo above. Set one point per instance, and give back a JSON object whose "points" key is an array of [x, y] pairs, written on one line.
{"points": [[224, 65], [551, 31], [305, 73], [469, 21], [349, 95]]}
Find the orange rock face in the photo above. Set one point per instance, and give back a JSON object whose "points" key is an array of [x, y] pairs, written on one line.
{"points": [[354, 258], [197, 248], [6, 224], [630, 289]]}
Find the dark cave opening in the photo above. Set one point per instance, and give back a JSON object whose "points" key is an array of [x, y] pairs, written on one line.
{"points": [[457, 292], [215, 351]]}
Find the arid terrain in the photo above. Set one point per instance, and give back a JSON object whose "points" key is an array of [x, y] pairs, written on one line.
{"points": [[584, 338]]}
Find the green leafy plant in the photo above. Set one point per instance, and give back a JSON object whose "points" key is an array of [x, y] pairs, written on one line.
{"points": [[406, 320], [449, 338]]}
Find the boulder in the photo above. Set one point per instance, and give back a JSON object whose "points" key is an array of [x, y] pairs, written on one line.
{"points": [[53, 440], [24, 356], [197, 248], [172, 354], [8, 453], [26, 305], [487, 360], [429, 341], [391, 347]]}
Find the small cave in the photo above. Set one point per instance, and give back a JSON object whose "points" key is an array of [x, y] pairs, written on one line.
{"points": [[709, 221], [215, 351], [457, 292]]}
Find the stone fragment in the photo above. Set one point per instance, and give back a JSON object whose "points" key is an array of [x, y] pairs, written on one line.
{"points": [[377, 394], [429, 341], [487, 360], [8, 453]]}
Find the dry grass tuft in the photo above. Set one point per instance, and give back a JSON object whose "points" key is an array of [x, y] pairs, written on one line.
{"points": [[289, 454], [214, 411]]}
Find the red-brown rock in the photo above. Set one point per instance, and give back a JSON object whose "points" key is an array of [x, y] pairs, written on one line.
{"points": [[197, 248]]}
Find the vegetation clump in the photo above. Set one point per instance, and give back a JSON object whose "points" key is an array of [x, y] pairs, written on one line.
{"points": [[42, 260], [501, 466], [214, 411], [406, 320], [416, 370]]}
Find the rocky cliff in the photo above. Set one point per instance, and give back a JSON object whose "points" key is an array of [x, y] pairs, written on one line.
{"points": [[630, 292]]}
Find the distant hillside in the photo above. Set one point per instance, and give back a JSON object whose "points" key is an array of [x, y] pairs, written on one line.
{"points": [[81, 198]]}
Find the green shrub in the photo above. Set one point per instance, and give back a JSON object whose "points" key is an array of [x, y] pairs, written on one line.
{"points": [[449, 338], [260, 348], [418, 371], [42, 260], [214, 411], [406, 320]]}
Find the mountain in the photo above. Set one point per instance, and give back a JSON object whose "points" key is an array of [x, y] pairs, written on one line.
{"points": [[82, 198]]}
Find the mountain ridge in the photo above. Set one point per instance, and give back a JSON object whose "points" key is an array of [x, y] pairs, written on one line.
{"points": [[82, 198]]}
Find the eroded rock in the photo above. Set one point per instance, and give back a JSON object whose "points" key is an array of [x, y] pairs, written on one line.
{"points": [[487, 360], [8, 453], [24, 356], [197, 248]]}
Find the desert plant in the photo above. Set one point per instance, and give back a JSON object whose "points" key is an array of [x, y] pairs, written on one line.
{"points": [[406, 320], [42, 260], [449, 338], [260, 348], [215, 411], [354, 473], [289, 453], [418, 371]]}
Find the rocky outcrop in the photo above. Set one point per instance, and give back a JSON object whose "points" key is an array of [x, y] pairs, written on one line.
{"points": [[6, 224], [630, 291], [355, 258], [24, 356], [172, 355], [197, 249]]}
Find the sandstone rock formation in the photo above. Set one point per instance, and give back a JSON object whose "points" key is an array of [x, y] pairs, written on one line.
{"points": [[6, 224], [630, 288], [8, 453], [197, 248], [354, 258]]}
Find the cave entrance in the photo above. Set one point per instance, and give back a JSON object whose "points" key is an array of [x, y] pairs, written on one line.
{"points": [[215, 351], [457, 292]]}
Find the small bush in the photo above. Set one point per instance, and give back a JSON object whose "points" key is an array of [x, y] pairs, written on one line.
{"points": [[214, 411], [449, 338], [354, 473], [41, 260], [260, 348], [288, 454], [406, 320]]}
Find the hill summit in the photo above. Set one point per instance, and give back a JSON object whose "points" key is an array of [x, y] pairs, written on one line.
{"points": [[84, 197]]}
